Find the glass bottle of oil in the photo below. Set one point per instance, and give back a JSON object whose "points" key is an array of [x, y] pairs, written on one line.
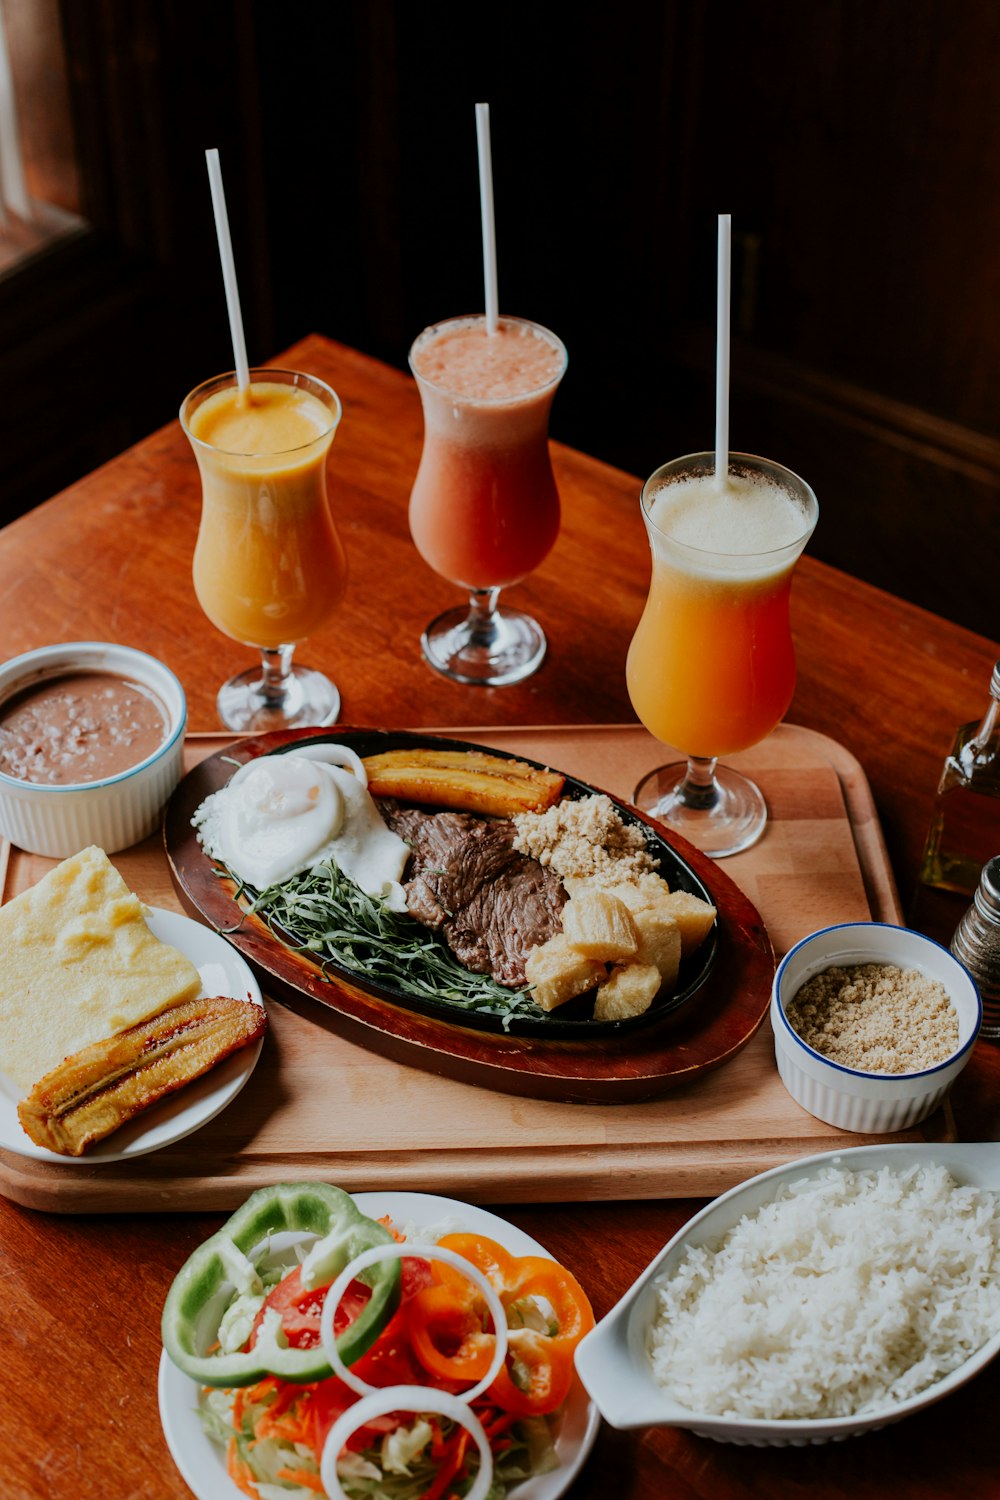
{"points": [[965, 828]]}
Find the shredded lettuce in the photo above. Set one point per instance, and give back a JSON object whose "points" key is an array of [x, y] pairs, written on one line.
{"points": [[402, 1447], [398, 1467], [238, 1319]]}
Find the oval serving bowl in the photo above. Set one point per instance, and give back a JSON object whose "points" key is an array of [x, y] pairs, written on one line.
{"points": [[612, 1360], [719, 990]]}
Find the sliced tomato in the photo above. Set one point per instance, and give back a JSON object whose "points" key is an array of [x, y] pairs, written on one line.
{"points": [[300, 1309]]}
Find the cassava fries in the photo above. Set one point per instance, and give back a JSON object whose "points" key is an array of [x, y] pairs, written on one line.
{"points": [[629, 990], [472, 781], [556, 972], [599, 926]]}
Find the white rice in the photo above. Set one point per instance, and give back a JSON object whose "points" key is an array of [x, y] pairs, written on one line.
{"points": [[850, 1292]]}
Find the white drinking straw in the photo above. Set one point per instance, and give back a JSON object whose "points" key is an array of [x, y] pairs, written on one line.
{"points": [[722, 352], [486, 206], [228, 268]]}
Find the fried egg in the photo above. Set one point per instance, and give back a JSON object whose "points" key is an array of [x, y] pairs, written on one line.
{"points": [[282, 814]]}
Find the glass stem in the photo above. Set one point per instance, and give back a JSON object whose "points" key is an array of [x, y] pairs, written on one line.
{"points": [[699, 789], [482, 621], [276, 664]]}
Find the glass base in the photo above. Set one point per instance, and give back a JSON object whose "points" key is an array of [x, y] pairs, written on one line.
{"points": [[487, 650], [308, 700], [728, 816]]}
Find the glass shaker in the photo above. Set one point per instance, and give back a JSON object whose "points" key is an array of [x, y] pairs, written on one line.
{"points": [[976, 944]]}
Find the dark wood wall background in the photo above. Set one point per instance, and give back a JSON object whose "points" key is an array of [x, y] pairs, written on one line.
{"points": [[855, 142]]}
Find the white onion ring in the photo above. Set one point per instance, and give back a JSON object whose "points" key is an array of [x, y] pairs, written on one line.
{"points": [[374, 1256], [415, 1398], [334, 755]]}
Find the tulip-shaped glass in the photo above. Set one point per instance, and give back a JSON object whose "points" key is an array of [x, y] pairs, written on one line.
{"points": [[484, 510], [711, 668], [269, 566]]}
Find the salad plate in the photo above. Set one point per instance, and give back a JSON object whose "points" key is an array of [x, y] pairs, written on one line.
{"points": [[223, 972], [202, 1463], [722, 997]]}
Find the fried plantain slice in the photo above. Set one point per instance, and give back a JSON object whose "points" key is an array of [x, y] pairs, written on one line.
{"points": [[472, 781], [93, 1092]]}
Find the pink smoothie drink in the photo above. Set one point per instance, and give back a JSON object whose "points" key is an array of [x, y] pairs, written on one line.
{"points": [[484, 510]]}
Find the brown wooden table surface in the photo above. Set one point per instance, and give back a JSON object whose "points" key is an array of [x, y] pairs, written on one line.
{"points": [[110, 559]]}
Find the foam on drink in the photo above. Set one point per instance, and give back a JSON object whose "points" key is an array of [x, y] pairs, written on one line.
{"points": [[711, 667], [463, 358], [742, 527]]}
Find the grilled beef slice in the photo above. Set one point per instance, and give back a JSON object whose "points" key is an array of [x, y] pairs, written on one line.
{"points": [[491, 903]]}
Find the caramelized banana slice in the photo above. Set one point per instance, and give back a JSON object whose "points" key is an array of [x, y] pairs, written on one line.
{"points": [[97, 1089], [473, 781]]}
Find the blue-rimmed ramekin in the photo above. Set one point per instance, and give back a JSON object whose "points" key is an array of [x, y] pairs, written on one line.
{"points": [[118, 811], [849, 1098]]}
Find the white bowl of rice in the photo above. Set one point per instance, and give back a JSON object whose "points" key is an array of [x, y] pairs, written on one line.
{"points": [[821, 1300], [872, 1025]]}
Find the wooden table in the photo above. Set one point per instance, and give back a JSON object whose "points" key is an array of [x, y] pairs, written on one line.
{"points": [[110, 559]]}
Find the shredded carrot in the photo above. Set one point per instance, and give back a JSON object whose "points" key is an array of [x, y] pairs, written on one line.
{"points": [[253, 1393], [502, 1422], [287, 1417], [240, 1472], [387, 1222], [438, 1445], [305, 1477], [452, 1466]]}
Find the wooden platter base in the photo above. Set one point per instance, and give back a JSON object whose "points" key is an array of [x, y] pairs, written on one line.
{"points": [[319, 1107]]}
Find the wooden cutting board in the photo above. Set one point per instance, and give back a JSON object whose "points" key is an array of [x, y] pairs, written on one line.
{"points": [[320, 1107]]}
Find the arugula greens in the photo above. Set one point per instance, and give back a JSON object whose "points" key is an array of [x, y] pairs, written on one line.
{"points": [[325, 915]]}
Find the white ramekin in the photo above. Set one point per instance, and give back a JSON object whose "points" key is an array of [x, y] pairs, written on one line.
{"points": [[869, 1103], [118, 811]]}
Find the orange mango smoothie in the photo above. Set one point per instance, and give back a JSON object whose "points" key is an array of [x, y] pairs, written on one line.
{"points": [[269, 566], [484, 510], [711, 668]]}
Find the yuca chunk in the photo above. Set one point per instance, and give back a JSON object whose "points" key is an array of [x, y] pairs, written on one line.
{"points": [[659, 941], [693, 916], [646, 889], [557, 972], [629, 990], [598, 925]]}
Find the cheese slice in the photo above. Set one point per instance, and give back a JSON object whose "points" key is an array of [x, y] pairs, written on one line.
{"points": [[78, 963]]}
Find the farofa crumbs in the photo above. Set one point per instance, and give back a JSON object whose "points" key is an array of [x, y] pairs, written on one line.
{"points": [[876, 1018], [585, 839]]}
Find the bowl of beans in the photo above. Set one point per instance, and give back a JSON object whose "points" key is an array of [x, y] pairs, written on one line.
{"points": [[91, 744], [872, 1025]]}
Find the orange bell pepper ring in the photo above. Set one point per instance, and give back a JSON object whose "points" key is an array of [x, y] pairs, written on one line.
{"points": [[450, 1336]]}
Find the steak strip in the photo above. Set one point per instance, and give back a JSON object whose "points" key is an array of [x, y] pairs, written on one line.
{"points": [[491, 903]]}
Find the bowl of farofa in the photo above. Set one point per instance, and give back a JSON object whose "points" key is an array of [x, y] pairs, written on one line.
{"points": [[872, 1025]]}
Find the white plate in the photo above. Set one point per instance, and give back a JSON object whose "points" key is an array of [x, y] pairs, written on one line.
{"points": [[203, 1463], [223, 972]]}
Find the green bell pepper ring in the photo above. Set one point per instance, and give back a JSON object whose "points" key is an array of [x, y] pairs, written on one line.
{"points": [[197, 1299]]}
